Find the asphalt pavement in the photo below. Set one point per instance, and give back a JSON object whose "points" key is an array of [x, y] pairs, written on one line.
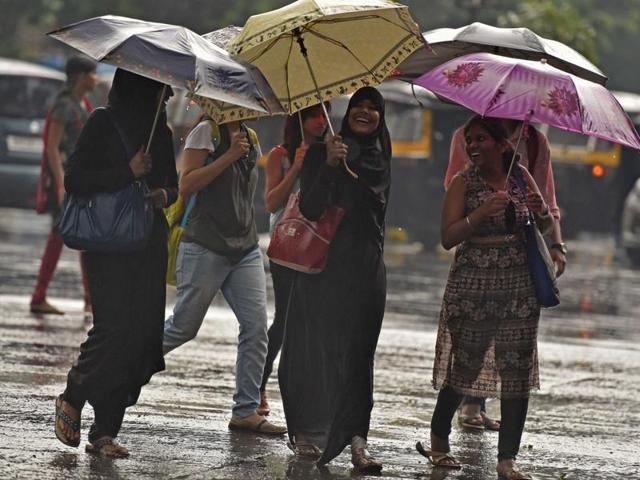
{"points": [[582, 424]]}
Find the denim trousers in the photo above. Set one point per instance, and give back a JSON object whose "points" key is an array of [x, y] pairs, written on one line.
{"points": [[200, 274]]}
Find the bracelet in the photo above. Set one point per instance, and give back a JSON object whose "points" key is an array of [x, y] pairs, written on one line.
{"points": [[468, 221]]}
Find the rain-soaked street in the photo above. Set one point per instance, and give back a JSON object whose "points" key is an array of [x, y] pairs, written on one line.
{"points": [[583, 423]]}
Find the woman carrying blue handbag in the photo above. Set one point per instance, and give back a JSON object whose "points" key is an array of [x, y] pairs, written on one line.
{"points": [[124, 348]]}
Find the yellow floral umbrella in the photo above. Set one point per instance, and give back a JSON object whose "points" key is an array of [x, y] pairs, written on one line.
{"points": [[315, 50]]}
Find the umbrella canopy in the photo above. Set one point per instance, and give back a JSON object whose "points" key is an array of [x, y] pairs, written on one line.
{"points": [[314, 50], [224, 112], [172, 55], [523, 43], [504, 87]]}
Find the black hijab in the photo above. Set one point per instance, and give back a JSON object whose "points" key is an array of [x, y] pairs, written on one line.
{"points": [[134, 100], [369, 155], [380, 134]]}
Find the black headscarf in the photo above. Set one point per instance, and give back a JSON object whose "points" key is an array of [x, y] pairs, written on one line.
{"points": [[134, 101], [380, 134], [369, 155]]}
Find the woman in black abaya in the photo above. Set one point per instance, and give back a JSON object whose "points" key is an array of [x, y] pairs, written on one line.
{"points": [[123, 349], [334, 317]]}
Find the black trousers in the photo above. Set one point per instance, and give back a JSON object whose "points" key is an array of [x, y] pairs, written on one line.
{"points": [[123, 349], [283, 279], [514, 414]]}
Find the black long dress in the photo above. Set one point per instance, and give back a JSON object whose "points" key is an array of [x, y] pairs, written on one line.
{"points": [[124, 347], [334, 317]]}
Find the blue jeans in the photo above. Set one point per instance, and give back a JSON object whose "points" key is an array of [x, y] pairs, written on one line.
{"points": [[200, 273]]}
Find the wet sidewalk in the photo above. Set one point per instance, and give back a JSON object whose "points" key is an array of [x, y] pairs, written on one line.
{"points": [[582, 424]]}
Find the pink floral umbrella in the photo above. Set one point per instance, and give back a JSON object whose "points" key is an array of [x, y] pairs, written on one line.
{"points": [[497, 86]]}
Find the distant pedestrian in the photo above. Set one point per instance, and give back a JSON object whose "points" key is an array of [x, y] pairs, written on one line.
{"points": [[283, 169], [63, 125], [219, 252], [123, 349], [535, 155], [335, 317], [487, 336]]}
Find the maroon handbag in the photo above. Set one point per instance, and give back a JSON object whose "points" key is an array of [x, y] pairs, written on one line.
{"points": [[299, 243]]}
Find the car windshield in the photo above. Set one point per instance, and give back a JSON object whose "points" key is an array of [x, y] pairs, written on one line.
{"points": [[27, 97]]}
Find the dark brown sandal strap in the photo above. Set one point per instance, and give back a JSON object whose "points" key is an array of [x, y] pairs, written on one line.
{"points": [[66, 418], [102, 442]]}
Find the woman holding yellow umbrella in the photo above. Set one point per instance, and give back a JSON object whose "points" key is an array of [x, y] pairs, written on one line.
{"points": [[334, 317]]}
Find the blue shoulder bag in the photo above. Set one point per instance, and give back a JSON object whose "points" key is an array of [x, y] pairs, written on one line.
{"points": [[119, 221], [541, 266]]}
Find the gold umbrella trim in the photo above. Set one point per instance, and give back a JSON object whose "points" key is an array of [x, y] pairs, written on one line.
{"points": [[236, 47], [378, 73], [222, 112]]}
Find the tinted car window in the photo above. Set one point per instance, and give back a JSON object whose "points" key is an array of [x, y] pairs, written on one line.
{"points": [[27, 97]]}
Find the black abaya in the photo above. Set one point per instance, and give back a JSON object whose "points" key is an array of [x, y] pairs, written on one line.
{"points": [[124, 347], [334, 317]]}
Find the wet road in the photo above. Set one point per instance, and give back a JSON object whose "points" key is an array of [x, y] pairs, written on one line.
{"points": [[582, 424]]}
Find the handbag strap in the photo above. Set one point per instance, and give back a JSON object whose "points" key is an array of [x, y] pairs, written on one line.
{"points": [[517, 175], [121, 134]]}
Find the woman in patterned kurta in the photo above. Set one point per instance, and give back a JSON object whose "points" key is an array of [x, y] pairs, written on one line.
{"points": [[487, 337]]}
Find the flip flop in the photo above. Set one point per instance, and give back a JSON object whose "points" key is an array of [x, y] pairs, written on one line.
{"points": [[97, 448], [475, 422], [438, 460], [490, 423], [514, 474], [65, 418]]}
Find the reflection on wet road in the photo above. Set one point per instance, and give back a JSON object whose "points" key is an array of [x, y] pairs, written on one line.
{"points": [[582, 424]]}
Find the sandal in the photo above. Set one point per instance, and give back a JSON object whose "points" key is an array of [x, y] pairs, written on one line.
{"points": [[63, 416], [475, 422], [514, 473], [364, 462], [444, 460], [307, 450], [45, 308], [107, 447], [489, 423], [256, 424]]}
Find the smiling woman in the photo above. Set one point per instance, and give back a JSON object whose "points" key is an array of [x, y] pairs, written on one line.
{"points": [[334, 317], [487, 335]]}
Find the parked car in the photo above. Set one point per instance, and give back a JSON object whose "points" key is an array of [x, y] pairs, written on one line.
{"points": [[27, 91]]}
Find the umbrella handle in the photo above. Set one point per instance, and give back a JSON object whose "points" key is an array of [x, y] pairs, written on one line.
{"points": [[525, 125], [303, 50], [326, 114], [155, 120]]}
